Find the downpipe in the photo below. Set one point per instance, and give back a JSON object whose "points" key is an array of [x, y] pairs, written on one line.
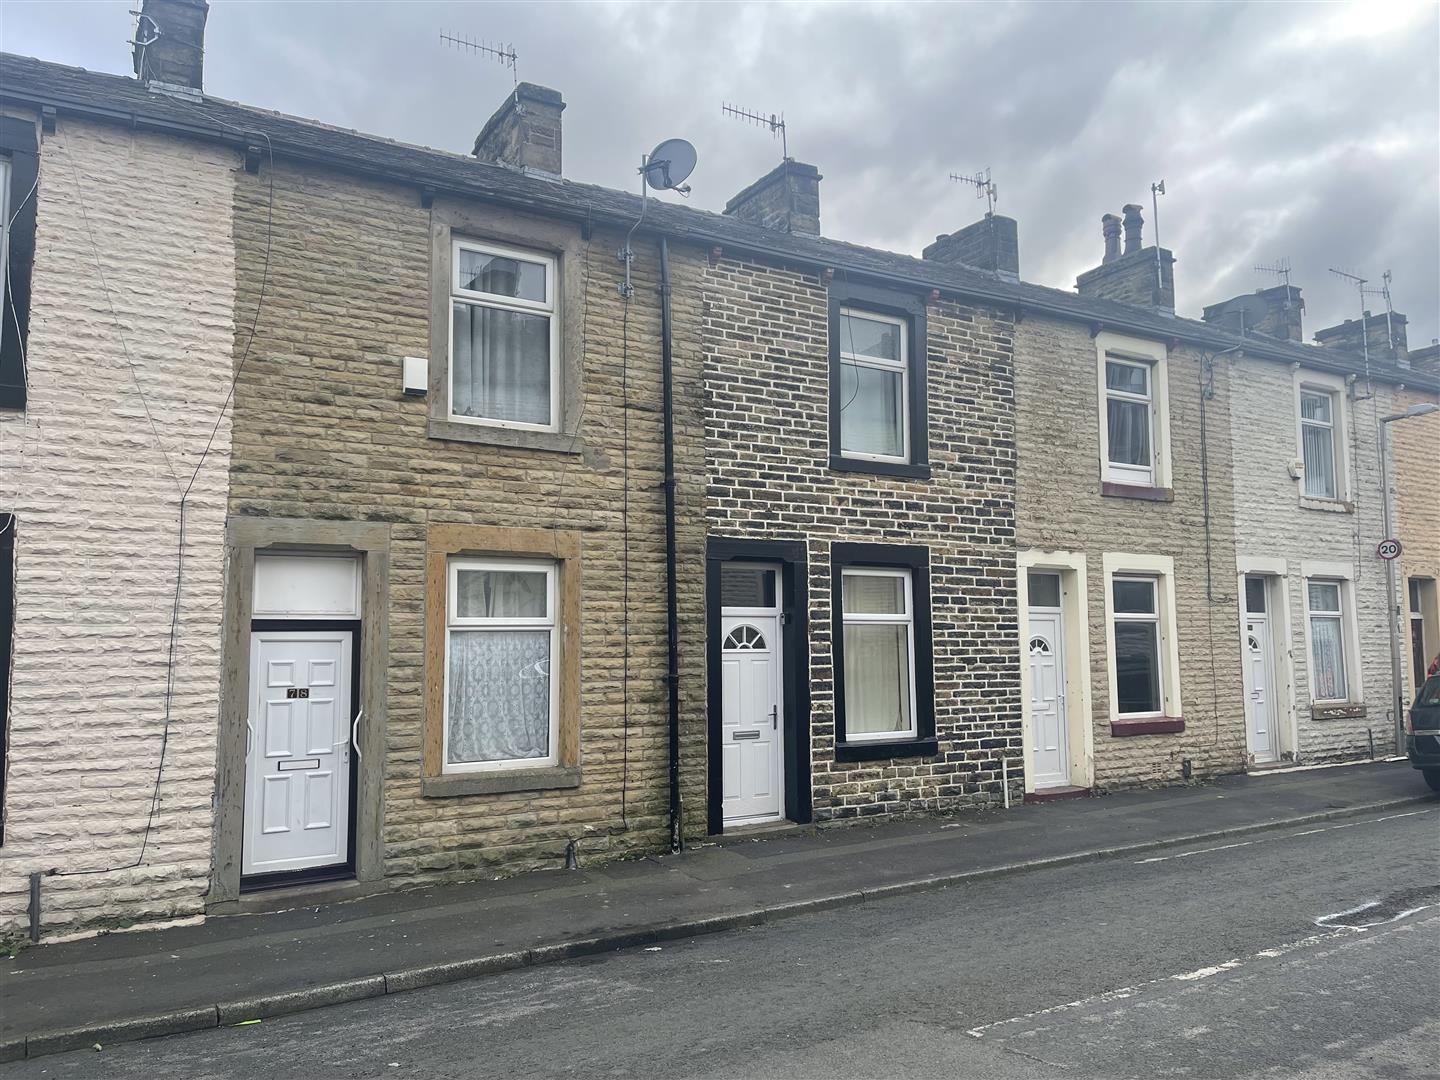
{"points": [[672, 615]]}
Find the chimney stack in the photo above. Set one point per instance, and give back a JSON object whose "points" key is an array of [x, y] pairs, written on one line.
{"points": [[524, 133], [786, 199], [169, 51], [1144, 276], [1276, 312], [1386, 334], [992, 243]]}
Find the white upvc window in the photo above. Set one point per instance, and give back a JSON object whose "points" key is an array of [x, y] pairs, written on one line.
{"points": [[504, 353], [501, 652], [1317, 443], [1130, 421], [874, 386], [878, 614], [1325, 612], [1139, 681]]}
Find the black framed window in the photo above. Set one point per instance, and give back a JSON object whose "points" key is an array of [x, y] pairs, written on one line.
{"points": [[19, 167], [883, 652], [878, 344]]}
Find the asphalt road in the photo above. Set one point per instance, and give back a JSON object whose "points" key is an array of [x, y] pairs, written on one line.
{"points": [[1242, 959]]}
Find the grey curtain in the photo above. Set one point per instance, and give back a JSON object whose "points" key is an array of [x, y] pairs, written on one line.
{"points": [[500, 364], [499, 695], [1129, 432]]}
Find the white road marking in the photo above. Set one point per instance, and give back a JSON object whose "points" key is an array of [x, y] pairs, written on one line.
{"points": [[1126, 992], [1286, 836]]}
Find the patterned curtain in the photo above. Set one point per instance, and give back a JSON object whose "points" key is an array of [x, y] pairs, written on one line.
{"points": [[499, 695]]}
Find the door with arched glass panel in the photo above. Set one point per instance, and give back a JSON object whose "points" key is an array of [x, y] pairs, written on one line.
{"points": [[751, 726]]}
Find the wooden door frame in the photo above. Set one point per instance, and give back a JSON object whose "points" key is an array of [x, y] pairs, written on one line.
{"points": [[790, 556]]}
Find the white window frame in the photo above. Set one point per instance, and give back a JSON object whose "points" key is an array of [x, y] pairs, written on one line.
{"points": [[1342, 615], [1123, 471], [473, 298], [1121, 349], [1318, 382], [453, 621], [1149, 619], [879, 363], [907, 619], [1329, 427], [1161, 570]]}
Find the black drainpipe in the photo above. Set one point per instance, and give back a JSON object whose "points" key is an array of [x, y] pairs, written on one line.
{"points": [[672, 615]]}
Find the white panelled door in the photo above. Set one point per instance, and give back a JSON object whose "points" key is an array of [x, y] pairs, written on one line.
{"points": [[1048, 729], [1261, 671], [297, 770], [751, 728]]}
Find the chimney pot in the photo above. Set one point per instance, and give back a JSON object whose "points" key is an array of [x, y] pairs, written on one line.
{"points": [[170, 44], [1110, 227], [1134, 223], [524, 133]]}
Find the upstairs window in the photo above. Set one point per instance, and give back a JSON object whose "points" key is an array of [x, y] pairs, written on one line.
{"points": [[1129, 419], [1317, 444], [19, 169], [503, 348], [874, 384]]}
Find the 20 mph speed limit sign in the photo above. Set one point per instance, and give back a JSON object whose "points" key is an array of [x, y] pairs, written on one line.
{"points": [[1389, 549]]}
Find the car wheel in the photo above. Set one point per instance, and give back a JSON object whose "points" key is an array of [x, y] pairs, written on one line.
{"points": [[1432, 777]]}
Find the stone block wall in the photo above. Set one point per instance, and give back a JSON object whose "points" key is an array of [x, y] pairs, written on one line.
{"points": [[767, 468], [129, 358], [322, 430], [1060, 507], [1415, 451]]}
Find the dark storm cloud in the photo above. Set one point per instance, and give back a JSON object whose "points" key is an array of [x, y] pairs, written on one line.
{"points": [[1309, 132]]}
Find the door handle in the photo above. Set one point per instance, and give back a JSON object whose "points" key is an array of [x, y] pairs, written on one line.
{"points": [[774, 717], [249, 731], [355, 735]]}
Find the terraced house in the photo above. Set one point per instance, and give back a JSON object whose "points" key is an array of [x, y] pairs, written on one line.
{"points": [[381, 526]]}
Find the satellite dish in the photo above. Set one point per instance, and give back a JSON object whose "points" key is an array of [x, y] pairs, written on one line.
{"points": [[669, 164]]}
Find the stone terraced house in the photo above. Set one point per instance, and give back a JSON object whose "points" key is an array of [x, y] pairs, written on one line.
{"points": [[496, 550]]}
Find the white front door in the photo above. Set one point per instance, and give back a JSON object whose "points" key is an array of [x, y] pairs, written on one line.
{"points": [[1262, 680], [1048, 734], [751, 727], [297, 769]]}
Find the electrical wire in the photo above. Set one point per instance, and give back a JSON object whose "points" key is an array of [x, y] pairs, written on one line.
{"points": [[185, 493]]}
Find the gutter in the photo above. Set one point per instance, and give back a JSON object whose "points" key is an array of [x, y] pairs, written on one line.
{"points": [[586, 215], [672, 604]]}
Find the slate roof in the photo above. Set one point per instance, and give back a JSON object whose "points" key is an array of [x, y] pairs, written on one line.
{"points": [[123, 100]]}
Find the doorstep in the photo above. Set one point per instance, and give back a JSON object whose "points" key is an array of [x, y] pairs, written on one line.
{"points": [[1055, 794]]}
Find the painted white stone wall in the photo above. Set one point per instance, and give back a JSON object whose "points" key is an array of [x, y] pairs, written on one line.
{"points": [[1273, 522], [134, 253]]}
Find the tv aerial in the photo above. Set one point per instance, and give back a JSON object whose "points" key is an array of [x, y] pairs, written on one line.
{"points": [[775, 123], [666, 168], [983, 185], [1280, 268], [504, 55]]}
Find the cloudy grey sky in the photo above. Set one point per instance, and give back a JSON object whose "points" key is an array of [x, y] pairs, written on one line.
{"points": [[1282, 130]]}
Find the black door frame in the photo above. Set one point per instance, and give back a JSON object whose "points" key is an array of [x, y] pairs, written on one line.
{"points": [[795, 663], [334, 871]]}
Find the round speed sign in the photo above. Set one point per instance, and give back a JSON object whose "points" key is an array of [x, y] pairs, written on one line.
{"points": [[1389, 549]]}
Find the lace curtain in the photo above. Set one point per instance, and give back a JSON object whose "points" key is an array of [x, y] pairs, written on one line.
{"points": [[500, 364], [499, 695], [1327, 651]]}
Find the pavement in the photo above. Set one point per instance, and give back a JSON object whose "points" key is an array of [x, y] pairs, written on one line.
{"points": [[241, 968]]}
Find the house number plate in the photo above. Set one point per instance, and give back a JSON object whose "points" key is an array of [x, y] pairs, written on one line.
{"points": [[301, 692]]}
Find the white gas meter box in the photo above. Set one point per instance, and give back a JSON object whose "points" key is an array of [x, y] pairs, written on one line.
{"points": [[415, 375]]}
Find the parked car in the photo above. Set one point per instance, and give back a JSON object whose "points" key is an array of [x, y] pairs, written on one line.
{"points": [[1422, 738]]}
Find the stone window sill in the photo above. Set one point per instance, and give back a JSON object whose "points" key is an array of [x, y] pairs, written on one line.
{"points": [[1328, 506], [1147, 725], [500, 781], [557, 442], [1337, 710], [881, 751], [1137, 491]]}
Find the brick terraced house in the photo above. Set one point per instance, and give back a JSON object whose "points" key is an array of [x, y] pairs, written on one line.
{"points": [[501, 549]]}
